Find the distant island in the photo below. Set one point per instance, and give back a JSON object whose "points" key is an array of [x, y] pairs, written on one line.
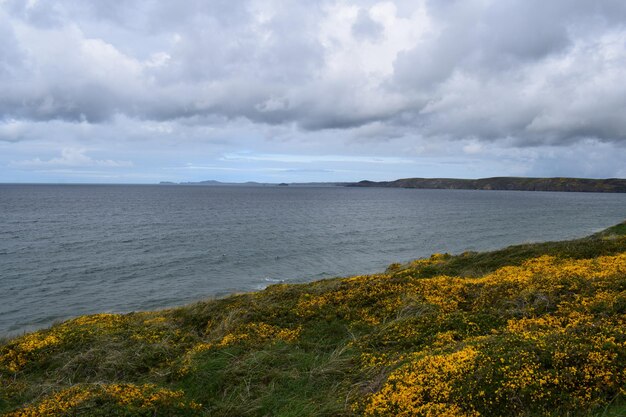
{"points": [[213, 182], [257, 184], [610, 185]]}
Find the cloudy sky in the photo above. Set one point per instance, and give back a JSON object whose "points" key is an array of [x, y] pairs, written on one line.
{"points": [[141, 91]]}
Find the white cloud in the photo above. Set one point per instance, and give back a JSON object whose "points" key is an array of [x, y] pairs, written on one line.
{"points": [[71, 158], [315, 158], [12, 130]]}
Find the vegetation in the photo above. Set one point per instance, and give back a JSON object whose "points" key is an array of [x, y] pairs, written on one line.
{"points": [[611, 185], [530, 330]]}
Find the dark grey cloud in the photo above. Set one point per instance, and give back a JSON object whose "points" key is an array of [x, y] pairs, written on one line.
{"points": [[494, 38], [538, 72]]}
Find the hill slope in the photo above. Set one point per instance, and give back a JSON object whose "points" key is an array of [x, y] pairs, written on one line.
{"points": [[611, 185], [536, 329]]}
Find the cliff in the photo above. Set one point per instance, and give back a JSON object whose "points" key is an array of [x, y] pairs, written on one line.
{"points": [[611, 185]]}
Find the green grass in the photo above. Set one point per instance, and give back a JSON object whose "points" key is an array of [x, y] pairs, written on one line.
{"points": [[277, 380], [617, 230], [302, 350], [473, 264]]}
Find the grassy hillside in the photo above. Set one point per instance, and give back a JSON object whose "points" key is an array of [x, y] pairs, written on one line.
{"points": [[530, 330], [610, 185]]}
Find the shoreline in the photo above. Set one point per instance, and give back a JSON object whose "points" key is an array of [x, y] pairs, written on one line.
{"points": [[555, 308]]}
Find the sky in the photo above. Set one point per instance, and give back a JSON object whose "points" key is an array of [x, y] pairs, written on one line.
{"points": [[142, 91]]}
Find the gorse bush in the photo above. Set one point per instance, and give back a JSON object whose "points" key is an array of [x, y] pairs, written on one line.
{"points": [[531, 330], [113, 399], [562, 346]]}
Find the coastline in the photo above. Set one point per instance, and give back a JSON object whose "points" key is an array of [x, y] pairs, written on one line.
{"points": [[556, 184], [355, 345]]}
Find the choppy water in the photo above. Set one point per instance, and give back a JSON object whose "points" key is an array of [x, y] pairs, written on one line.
{"points": [[67, 250]]}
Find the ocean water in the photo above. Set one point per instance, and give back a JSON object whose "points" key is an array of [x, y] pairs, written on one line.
{"points": [[67, 250]]}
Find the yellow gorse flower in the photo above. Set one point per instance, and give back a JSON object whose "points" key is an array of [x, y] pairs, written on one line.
{"points": [[556, 340], [142, 397]]}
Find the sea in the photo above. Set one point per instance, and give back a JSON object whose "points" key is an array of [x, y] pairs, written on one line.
{"points": [[69, 250]]}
